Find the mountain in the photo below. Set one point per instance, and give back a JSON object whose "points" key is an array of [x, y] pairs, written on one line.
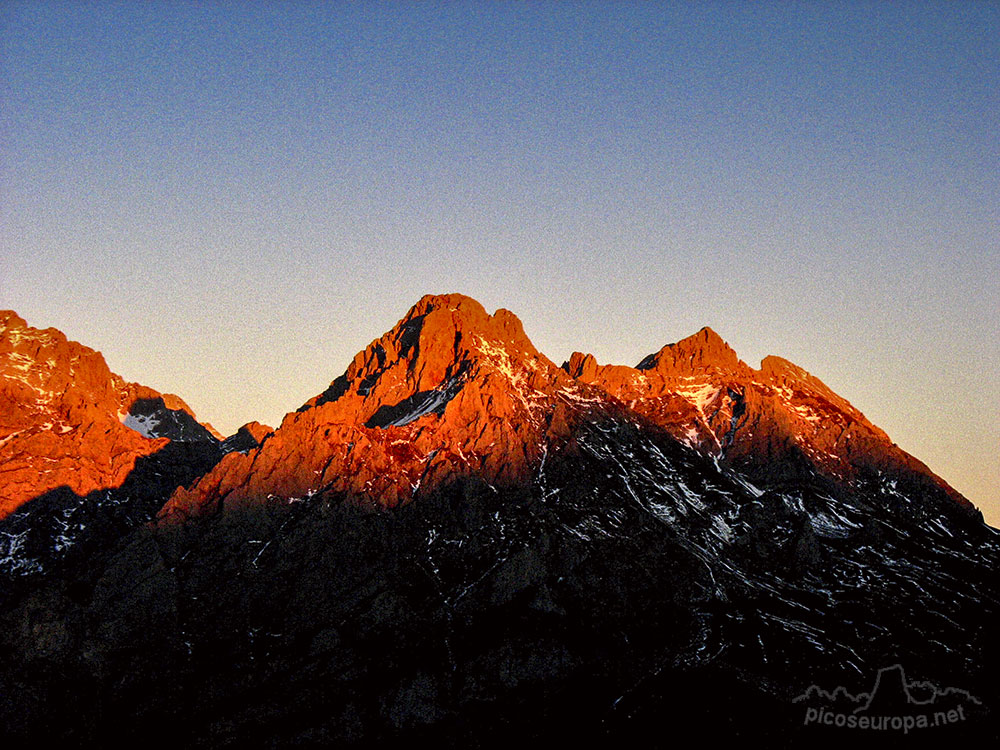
{"points": [[459, 542], [67, 420], [777, 424], [449, 392], [84, 454], [454, 392]]}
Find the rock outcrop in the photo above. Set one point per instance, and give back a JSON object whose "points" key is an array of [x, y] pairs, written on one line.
{"points": [[777, 424], [451, 391], [67, 421]]}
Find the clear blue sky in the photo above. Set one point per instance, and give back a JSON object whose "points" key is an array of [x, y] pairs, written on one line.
{"points": [[230, 199]]}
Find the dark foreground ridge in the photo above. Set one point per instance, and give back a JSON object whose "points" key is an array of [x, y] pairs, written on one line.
{"points": [[460, 542]]}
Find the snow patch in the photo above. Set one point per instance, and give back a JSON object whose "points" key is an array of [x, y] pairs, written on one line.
{"points": [[434, 400], [806, 413], [699, 396], [571, 393], [143, 424], [499, 357]]}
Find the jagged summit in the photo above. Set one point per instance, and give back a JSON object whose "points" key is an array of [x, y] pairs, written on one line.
{"points": [[453, 391], [67, 420], [698, 353], [430, 350], [790, 377], [778, 423], [247, 437], [449, 391], [702, 351], [10, 319], [581, 366]]}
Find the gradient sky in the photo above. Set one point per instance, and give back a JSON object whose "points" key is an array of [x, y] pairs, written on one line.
{"points": [[230, 199]]}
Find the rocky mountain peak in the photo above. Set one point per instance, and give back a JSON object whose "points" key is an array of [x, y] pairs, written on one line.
{"points": [[794, 382], [248, 437], [780, 371], [778, 423], [701, 351], [10, 319], [581, 366], [449, 391], [443, 341], [67, 420]]}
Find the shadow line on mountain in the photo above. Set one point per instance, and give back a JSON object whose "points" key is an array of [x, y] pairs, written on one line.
{"points": [[60, 527], [175, 424]]}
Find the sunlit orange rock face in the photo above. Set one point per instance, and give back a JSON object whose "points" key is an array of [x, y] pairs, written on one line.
{"points": [[61, 416], [776, 422], [450, 391], [454, 392]]}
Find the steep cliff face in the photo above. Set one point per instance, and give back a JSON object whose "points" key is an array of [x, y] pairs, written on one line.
{"points": [[449, 392], [777, 424], [67, 421], [452, 391], [85, 457]]}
